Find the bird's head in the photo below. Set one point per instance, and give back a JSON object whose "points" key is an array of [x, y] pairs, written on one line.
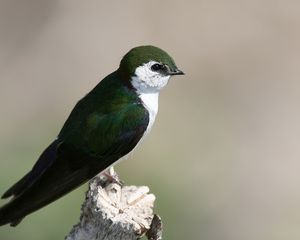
{"points": [[148, 68]]}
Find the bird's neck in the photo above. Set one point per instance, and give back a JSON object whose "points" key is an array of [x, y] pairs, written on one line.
{"points": [[150, 102], [148, 95]]}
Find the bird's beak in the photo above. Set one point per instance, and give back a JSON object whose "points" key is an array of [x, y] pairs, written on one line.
{"points": [[176, 72]]}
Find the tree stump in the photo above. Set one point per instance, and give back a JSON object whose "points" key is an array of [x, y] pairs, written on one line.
{"points": [[112, 211]]}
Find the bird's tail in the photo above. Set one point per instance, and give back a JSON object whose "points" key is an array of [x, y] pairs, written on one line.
{"points": [[14, 211], [8, 215]]}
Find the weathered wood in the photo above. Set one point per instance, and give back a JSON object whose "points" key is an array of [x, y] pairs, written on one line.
{"points": [[115, 212]]}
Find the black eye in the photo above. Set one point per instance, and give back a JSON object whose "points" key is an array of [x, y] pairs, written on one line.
{"points": [[157, 67]]}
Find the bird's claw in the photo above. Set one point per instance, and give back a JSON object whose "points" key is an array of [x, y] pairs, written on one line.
{"points": [[112, 177]]}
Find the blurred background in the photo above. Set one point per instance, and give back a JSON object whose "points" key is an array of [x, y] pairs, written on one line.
{"points": [[223, 158]]}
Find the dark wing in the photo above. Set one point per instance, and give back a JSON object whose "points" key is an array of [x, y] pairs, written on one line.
{"points": [[64, 166]]}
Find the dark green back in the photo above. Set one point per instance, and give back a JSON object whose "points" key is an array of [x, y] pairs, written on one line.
{"points": [[105, 118]]}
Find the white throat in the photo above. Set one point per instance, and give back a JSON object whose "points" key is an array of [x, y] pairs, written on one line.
{"points": [[148, 83], [150, 101]]}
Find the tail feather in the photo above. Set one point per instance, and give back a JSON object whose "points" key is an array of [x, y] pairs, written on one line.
{"points": [[44, 161], [8, 215], [17, 188], [52, 177], [19, 206]]}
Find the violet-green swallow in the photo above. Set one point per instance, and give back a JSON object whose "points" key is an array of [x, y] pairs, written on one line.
{"points": [[103, 127]]}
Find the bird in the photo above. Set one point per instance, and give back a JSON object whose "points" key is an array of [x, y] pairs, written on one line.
{"points": [[104, 126]]}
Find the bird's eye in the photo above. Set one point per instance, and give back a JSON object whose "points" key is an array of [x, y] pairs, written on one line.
{"points": [[157, 67]]}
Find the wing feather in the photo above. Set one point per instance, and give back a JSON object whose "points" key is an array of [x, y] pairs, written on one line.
{"points": [[63, 166]]}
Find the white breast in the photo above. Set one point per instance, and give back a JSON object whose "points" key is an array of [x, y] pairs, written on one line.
{"points": [[150, 102]]}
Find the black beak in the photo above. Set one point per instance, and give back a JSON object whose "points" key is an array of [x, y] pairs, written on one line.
{"points": [[176, 72]]}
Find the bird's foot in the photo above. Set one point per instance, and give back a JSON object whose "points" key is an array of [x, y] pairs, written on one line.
{"points": [[112, 177]]}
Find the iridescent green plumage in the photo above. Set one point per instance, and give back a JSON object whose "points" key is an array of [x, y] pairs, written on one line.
{"points": [[103, 127], [103, 116], [139, 55]]}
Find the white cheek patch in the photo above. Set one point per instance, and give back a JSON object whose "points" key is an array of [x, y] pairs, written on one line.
{"points": [[146, 80]]}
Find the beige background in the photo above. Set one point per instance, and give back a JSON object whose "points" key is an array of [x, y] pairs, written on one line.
{"points": [[224, 155]]}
